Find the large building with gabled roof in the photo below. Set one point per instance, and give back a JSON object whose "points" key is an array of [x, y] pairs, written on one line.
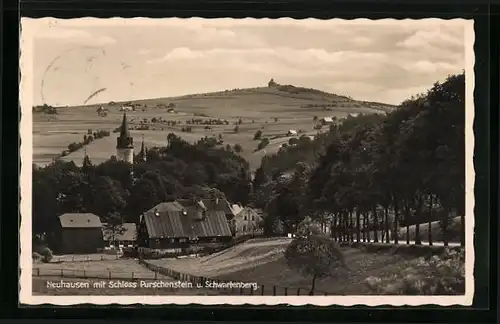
{"points": [[166, 227]]}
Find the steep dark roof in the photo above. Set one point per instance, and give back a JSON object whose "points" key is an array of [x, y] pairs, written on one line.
{"points": [[80, 220], [129, 234], [176, 224], [124, 140], [220, 204], [188, 204], [167, 206], [124, 132]]}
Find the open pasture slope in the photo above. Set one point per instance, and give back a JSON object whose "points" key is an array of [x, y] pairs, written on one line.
{"points": [[113, 269], [270, 110], [371, 270]]}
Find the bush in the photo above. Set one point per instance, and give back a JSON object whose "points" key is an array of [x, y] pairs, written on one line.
{"points": [[263, 144], [46, 254], [238, 148], [313, 254], [437, 275], [36, 257], [258, 135]]}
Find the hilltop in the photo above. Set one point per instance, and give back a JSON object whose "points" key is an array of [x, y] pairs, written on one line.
{"points": [[231, 116]]}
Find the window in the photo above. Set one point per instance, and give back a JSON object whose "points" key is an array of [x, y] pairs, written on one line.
{"points": [[245, 218], [244, 228], [253, 218]]}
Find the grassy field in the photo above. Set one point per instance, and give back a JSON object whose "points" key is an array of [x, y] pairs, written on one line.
{"points": [[256, 107], [242, 256], [84, 257], [263, 262], [454, 231], [122, 269]]}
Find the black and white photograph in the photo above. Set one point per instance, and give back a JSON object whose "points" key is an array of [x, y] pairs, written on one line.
{"points": [[247, 161]]}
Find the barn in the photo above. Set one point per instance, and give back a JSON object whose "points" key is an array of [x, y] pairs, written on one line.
{"points": [[79, 233], [169, 229]]}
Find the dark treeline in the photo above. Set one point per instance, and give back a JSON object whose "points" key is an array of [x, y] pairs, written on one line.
{"points": [[404, 167], [178, 170]]}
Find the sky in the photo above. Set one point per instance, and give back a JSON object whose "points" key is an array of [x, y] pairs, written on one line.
{"points": [[386, 60]]}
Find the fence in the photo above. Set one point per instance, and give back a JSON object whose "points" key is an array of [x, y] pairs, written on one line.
{"points": [[263, 290], [97, 274], [85, 258], [161, 273], [363, 228], [148, 253]]}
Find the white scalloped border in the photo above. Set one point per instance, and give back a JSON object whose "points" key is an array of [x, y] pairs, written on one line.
{"points": [[28, 29]]}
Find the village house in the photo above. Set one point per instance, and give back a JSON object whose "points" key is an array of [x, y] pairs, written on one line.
{"points": [[248, 220], [292, 132], [126, 237], [79, 233], [327, 121], [169, 229], [126, 108]]}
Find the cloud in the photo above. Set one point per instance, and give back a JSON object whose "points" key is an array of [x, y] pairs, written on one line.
{"points": [[73, 36], [432, 38], [428, 67], [311, 56], [362, 41], [384, 60], [144, 51]]}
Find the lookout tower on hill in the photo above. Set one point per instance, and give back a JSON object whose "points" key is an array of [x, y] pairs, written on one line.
{"points": [[272, 83], [125, 143]]}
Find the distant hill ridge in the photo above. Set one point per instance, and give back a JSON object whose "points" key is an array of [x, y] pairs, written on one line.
{"points": [[317, 98], [297, 92]]}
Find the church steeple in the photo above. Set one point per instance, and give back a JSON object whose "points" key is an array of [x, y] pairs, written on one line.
{"points": [[125, 143], [124, 140]]}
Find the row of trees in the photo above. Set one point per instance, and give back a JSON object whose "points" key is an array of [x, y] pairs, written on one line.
{"points": [[404, 167], [115, 189]]}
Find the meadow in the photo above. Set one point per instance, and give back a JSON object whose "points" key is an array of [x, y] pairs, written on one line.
{"points": [[116, 269], [270, 110], [263, 262]]}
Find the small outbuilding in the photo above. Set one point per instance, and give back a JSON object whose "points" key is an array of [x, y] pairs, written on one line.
{"points": [[79, 233]]}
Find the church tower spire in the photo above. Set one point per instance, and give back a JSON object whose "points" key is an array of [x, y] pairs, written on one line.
{"points": [[125, 143]]}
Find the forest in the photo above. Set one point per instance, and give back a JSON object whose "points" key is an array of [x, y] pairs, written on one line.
{"points": [[401, 168]]}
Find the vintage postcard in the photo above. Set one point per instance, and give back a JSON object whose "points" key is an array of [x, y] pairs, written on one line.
{"points": [[247, 161]]}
